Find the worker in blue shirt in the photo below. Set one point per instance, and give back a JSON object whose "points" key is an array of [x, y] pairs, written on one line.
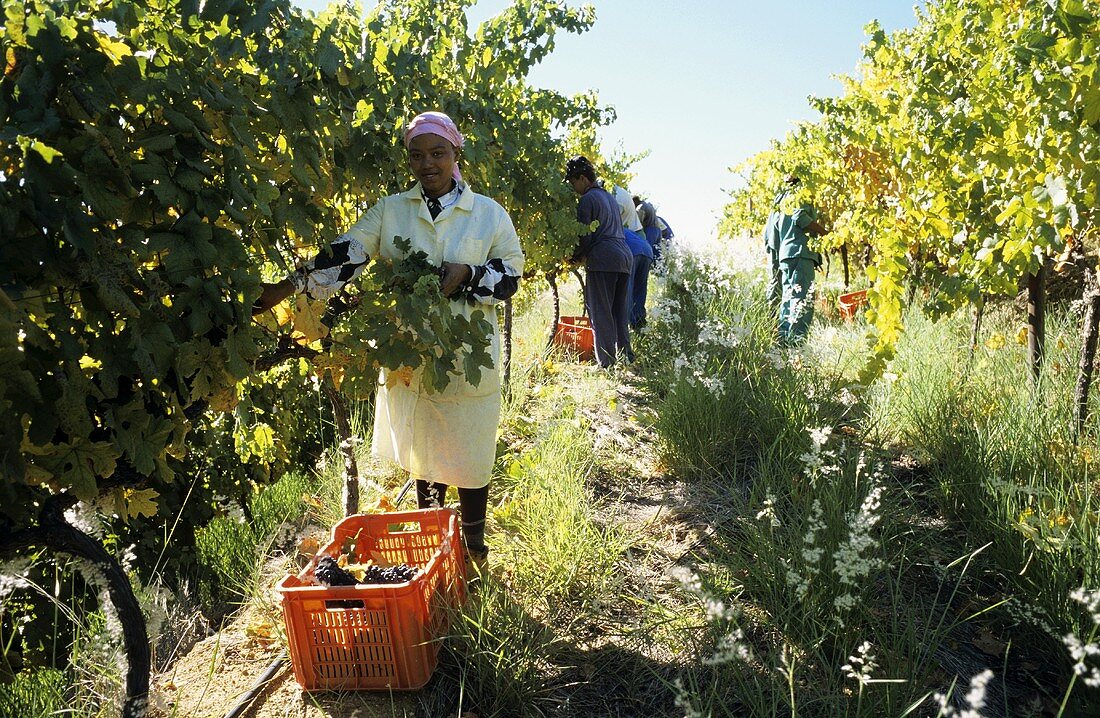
{"points": [[651, 229], [666, 230], [608, 264], [797, 263]]}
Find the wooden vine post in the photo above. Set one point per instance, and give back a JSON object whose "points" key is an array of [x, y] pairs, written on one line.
{"points": [[844, 261], [347, 447], [557, 308], [976, 327], [1089, 330], [1036, 319], [506, 348], [584, 289]]}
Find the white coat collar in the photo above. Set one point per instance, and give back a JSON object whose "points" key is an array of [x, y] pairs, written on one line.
{"points": [[465, 200]]}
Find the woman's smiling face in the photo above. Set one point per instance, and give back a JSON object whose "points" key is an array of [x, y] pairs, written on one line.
{"points": [[432, 160]]}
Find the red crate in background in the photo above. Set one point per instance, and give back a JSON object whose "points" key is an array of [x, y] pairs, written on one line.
{"points": [[378, 636], [575, 334], [851, 303]]}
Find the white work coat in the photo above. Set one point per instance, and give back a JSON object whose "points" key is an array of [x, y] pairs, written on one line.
{"points": [[448, 437], [626, 208]]}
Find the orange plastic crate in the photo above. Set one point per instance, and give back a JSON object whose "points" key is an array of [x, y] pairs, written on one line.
{"points": [[575, 334], [379, 636], [851, 303]]}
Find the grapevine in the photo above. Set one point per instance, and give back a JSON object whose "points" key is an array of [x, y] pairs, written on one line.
{"points": [[964, 154]]}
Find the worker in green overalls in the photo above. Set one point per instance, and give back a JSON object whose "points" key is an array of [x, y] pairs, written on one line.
{"points": [[797, 263], [773, 229]]}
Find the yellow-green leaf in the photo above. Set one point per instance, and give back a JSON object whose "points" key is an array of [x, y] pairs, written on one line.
{"points": [[139, 502], [48, 153], [114, 49], [307, 320]]}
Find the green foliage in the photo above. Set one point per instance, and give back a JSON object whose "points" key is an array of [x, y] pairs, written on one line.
{"points": [[806, 548], [34, 694], [965, 153], [999, 457], [230, 546], [568, 553]]}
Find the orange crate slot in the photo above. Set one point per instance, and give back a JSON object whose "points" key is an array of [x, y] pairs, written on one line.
{"points": [[851, 303], [575, 334], [378, 636]]}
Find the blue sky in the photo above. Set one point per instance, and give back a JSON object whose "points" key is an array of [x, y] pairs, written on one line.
{"points": [[704, 84]]}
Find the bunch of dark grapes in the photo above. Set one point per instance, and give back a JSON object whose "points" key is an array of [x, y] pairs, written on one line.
{"points": [[390, 574], [329, 573]]}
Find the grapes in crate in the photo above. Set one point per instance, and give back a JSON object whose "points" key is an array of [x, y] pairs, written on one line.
{"points": [[388, 574], [329, 572]]}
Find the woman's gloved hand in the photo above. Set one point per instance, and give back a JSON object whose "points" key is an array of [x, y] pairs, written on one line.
{"points": [[453, 276], [271, 295]]}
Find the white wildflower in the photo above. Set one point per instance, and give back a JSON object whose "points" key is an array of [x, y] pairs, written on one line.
{"points": [[1079, 650], [811, 461], [843, 603], [1090, 600], [812, 556], [975, 698], [683, 702], [816, 526], [687, 578], [850, 562], [860, 666], [798, 582], [716, 610], [821, 435], [861, 464], [811, 553], [127, 559], [768, 512], [1026, 613], [731, 647]]}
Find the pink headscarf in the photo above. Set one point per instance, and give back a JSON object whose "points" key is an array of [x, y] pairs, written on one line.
{"points": [[435, 123]]}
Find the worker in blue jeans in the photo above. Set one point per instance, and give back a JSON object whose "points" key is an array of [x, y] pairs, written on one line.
{"points": [[639, 278]]}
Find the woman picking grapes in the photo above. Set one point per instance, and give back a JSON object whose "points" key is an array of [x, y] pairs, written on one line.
{"points": [[446, 438]]}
